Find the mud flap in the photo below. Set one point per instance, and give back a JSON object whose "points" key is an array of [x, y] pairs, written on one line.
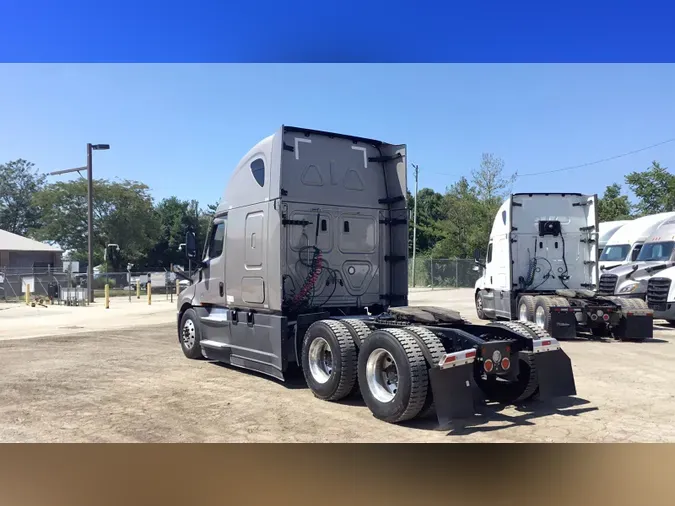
{"points": [[454, 392], [555, 375], [635, 325], [563, 325]]}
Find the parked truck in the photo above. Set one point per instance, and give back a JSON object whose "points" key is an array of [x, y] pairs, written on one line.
{"points": [[661, 295], [625, 244], [656, 256], [305, 267], [542, 267], [606, 230]]}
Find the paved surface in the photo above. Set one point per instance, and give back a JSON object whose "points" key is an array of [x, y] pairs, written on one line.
{"points": [[134, 385]]}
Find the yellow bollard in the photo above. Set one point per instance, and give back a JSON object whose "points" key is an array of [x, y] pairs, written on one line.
{"points": [[28, 294], [107, 296], [149, 293], [138, 288]]}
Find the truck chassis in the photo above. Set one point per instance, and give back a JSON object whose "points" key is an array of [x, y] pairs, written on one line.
{"points": [[408, 362], [566, 312]]}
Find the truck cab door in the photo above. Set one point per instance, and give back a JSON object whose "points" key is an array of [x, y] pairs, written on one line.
{"points": [[489, 287], [212, 282]]}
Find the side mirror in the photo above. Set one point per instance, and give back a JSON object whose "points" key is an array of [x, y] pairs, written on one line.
{"points": [[190, 245], [476, 268], [476, 255]]}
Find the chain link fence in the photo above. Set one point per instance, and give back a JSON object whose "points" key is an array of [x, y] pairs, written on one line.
{"points": [[66, 286], [442, 273]]}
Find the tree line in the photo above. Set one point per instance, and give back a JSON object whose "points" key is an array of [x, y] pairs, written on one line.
{"points": [[452, 224], [148, 233], [456, 223]]}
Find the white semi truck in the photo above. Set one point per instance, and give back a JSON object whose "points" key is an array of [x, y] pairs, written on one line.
{"points": [[542, 267], [606, 230], [306, 267], [625, 244], [656, 257]]}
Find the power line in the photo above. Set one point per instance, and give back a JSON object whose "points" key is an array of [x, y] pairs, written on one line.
{"points": [[597, 161]]}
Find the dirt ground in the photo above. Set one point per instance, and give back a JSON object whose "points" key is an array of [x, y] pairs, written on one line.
{"points": [[102, 382]]}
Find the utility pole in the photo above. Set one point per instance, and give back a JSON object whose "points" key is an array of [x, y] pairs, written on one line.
{"points": [[90, 213], [417, 171], [90, 228]]}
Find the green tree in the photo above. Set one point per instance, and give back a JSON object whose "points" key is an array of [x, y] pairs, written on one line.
{"points": [[176, 217], [430, 213], [489, 180], [19, 181], [612, 205], [654, 189], [123, 214], [460, 227]]}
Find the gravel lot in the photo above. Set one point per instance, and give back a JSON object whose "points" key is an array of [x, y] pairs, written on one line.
{"points": [[100, 382]]}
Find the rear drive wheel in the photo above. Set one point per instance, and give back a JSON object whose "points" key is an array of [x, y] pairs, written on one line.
{"points": [[393, 376], [480, 310], [526, 308], [190, 335], [542, 313], [358, 330], [437, 352], [329, 360]]}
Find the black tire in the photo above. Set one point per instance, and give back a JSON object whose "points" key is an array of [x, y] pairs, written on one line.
{"points": [[357, 329], [480, 311], [437, 352], [190, 336], [341, 375], [412, 375], [528, 302], [545, 303]]}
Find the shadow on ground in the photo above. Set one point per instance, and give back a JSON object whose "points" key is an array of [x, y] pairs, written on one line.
{"points": [[493, 412]]}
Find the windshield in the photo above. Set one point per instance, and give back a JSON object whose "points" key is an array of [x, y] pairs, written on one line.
{"points": [[615, 253], [658, 251]]}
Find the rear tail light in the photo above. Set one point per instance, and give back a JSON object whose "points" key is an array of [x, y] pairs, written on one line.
{"points": [[605, 317], [488, 365], [506, 363]]}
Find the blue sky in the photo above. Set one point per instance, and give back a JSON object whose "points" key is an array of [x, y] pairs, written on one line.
{"points": [[182, 128]]}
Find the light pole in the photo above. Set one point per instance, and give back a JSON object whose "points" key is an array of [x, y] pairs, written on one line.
{"points": [[90, 213]]}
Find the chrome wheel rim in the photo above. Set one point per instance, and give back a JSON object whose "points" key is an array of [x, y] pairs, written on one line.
{"points": [[189, 334], [479, 302], [382, 375], [522, 313], [540, 317], [320, 360]]}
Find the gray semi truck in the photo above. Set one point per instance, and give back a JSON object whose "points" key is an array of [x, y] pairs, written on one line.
{"points": [[305, 267]]}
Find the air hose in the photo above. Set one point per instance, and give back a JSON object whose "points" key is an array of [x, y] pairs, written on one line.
{"points": [[312, 277]]}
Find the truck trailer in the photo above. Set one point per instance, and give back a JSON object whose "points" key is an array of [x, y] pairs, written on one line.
{"points": [[542, 267], [305, 267]]}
